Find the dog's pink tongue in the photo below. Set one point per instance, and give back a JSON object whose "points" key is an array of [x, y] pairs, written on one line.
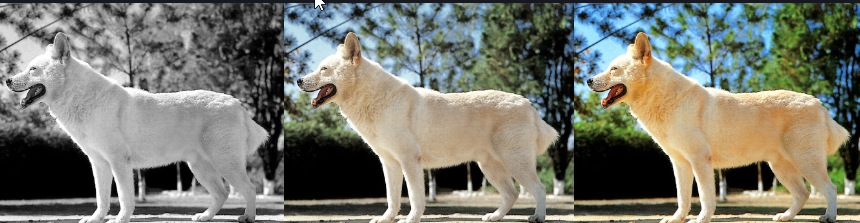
{"points": [[34, 92], [323, 92], [611, 93]]}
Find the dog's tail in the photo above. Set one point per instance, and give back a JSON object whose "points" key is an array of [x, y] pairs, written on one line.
{"points": [[546, 134], [257, 135], [838, 134]]}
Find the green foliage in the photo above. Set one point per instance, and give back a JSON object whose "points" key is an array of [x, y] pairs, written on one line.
{"points": [[617, 156], [419, 38], [815, 51], [38, 156], [527, 49], [715, 39]]}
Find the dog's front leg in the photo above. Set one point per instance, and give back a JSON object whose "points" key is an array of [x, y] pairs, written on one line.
{"points": [[103, 178], [415, 183], [704, 171], [393, 183], [684, 185], [122, 171]]}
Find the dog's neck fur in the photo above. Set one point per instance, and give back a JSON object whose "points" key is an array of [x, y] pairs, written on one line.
{"points": [[83, 95], [661, 93], [372, 89]]}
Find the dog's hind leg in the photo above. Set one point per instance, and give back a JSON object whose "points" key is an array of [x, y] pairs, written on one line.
{"points": [[103, 179], [788, 174], [524, 171], [211, 180], [814, 169], [499, 176], [234, 173]]}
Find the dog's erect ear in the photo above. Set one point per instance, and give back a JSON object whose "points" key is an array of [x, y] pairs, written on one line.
{"points": [[352, 49], [641, 49], [61, 49]]}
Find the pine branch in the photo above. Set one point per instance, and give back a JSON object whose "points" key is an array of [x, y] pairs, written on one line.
{"points": [[40, 28], [616, 31]]}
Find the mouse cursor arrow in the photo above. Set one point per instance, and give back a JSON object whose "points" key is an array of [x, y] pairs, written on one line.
{"points": [[319, 3]]}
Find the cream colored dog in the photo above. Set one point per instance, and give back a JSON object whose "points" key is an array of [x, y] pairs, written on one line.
{"points": [[121, 129], [415, 128], [705, 128]]}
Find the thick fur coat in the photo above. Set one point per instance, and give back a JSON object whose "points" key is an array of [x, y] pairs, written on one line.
{"points": [[121, 129], [415, 128], [705, 128]]}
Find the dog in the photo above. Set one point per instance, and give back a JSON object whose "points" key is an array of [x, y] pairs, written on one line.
{"points": [[705, 128], [411, 129], [120, 129]]}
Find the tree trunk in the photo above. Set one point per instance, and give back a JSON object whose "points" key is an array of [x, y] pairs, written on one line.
{"points": [[560, 157], [851, 157], [723, 185], [141, 186], [431, 184], [179, 177], [268, 187], [760, 183], [523, 191], [773, 186], [484, 186], [557, 187], [469, 177], [193, 188]]}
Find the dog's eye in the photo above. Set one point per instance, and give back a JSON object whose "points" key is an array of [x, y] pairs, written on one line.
{"points": [[614, 68], [324, 68], [33, 68]]}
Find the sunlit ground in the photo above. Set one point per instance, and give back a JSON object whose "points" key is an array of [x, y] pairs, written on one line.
{"points": [[157, 208], [447, 208], [739, 208]]}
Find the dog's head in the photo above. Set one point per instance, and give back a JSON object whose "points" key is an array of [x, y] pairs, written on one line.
{"points": [[625, 74], [335, 71], [45, 73]]}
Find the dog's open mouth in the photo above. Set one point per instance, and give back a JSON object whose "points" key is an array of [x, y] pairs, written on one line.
{"points": [[615, 92], [325, 93], [33, 92]]}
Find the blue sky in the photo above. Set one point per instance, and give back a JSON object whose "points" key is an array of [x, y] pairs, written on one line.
{"points": [[611, 47]]}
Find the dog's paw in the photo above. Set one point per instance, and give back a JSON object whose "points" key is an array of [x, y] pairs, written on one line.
{"points": [[91, 219], [783, 217], [536, 219], [672, 220], [827, 219], [202, 217], [492, 217], [246, 219], [382, 219]]}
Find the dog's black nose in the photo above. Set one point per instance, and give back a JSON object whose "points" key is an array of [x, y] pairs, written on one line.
{"points": [[299, 82], [9, 82], [589, 81]]}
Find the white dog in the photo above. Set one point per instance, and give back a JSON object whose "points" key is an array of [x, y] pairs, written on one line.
{"points": [[705, 128], [415, 128], [121, 129]]}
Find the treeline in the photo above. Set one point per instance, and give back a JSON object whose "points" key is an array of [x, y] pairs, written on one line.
{"points": [[809, 48]]}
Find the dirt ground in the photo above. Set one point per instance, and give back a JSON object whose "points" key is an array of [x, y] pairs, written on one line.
{"points": [[739, 208], [447, 208], [157, 208]]}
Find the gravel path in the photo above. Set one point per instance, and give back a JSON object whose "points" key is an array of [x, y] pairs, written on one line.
{"points": [[447, 208], [739, 208], [158, 208]]}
